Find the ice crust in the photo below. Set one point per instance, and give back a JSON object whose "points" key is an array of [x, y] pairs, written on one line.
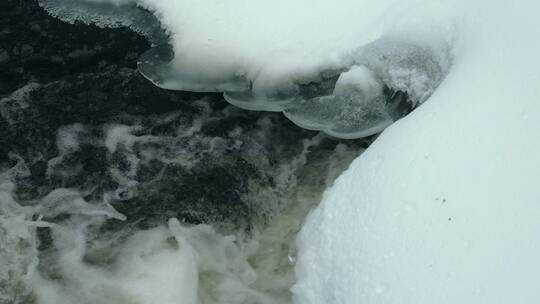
{"points": [[443, 207], [285, 55]]}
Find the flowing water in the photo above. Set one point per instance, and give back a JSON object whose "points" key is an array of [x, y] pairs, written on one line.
{"points": [[114, 191]]}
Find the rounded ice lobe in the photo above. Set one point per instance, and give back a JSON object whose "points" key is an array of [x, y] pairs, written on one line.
{"points": [[351, 99], [356, 107]]}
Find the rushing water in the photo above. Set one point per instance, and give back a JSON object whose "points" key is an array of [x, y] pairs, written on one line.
{"points": [[114, 191]]}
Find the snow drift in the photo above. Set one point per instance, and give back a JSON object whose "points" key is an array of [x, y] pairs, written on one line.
{"points": [[444, 206]]}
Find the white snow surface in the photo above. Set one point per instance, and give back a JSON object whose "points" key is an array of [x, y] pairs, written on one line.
{"points": [[444, 207]]}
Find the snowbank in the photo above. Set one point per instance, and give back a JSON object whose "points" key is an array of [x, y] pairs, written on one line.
{"points": [[444, 206]]}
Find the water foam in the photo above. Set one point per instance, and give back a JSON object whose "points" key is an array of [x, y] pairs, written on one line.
{"points": [[443, 207], [172, 263]]}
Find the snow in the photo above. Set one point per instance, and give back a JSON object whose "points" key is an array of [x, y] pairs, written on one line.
{"points": [[444, 206], [286, 56]]}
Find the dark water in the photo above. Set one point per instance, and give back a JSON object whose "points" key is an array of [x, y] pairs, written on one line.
{"points": [[95, 161]]}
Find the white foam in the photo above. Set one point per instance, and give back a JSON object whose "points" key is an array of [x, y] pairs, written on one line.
{"points": [[82, 261], [18, 252], [265, 54]]}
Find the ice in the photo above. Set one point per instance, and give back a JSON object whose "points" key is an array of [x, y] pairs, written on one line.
{"points": [[69, 201], [282, 56], [406, 65], [278, 55], [357, 103], [443, 206], [167, 264], [17, 246], [18, 100]]}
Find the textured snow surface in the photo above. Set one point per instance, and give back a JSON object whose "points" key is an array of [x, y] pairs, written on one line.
{"points": [[444, 207]]}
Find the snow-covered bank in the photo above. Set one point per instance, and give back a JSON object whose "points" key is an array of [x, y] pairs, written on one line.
{"points": [[444, 206]]}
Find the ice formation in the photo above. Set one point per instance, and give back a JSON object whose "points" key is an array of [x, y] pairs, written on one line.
{"points": [[105, 13], [285, 55], [443, 207], [162, 264]]}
